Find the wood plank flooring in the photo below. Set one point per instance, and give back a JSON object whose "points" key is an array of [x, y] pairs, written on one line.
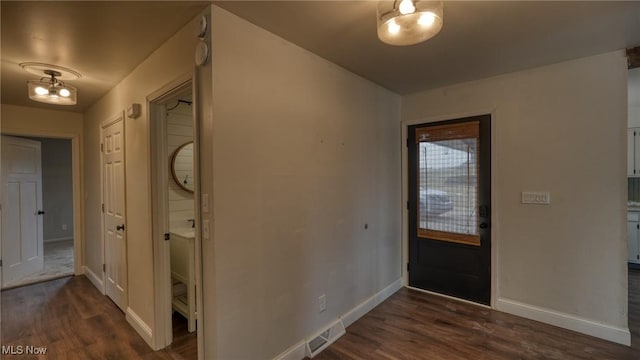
{"points": [[415, 325], [73, 320]]}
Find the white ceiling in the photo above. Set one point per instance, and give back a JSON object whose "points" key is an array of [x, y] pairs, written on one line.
{"points": [[479, 38], [106, 40]]}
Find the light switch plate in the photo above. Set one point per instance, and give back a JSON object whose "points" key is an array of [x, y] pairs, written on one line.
{"points": [[205, 203], [536, 197], [205, 229]]}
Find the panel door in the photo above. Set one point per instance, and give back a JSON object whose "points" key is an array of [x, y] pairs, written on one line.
{"points": [[449, 208], [22, 245], [115, 239]]}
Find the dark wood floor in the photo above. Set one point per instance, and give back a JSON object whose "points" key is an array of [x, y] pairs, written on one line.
{"points": [[73, 320], [415, 325]]}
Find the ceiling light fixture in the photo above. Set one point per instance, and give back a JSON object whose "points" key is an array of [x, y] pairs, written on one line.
{"points": [[51, 90], [408, 22]]}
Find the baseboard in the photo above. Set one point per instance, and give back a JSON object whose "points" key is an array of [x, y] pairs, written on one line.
{"points": [[95, 279], [567, 321], [140, 327], [364, 307], [298, 351], [57, 239]]}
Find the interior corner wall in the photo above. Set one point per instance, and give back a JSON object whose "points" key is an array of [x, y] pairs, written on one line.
{"points": [[171, 61], [306, 190], [562, 129]]}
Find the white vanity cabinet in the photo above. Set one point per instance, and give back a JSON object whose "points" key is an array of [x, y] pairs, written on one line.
{"points": [[183, 275], [633, 236]]}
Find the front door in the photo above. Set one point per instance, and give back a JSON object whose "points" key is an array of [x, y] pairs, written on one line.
{"points": [[449, 207], [22, 246], [115, 240]]}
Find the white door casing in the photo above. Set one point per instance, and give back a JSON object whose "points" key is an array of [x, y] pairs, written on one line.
{"points": [[115, 239], [22, 243]]}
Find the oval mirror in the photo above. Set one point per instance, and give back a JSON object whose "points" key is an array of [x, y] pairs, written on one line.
{"points": [[182, 166]]}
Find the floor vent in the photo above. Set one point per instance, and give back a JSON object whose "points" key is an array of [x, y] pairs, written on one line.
{"points": [[322, 340]]}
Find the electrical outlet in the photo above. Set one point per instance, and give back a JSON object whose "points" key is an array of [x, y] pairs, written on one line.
{"points": [[322, 303], [64, 226]]}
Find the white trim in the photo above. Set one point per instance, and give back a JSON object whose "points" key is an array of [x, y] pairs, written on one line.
{"points": [[364, 307], [448, 297], [159, 205], [77, 185], [296, 352], [140, 326], [96, 280], [600, 330], [57, 239]]}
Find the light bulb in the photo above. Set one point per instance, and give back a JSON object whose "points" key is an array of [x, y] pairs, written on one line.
{"points": [[393, 27], [64, 92], [406, 7], [427, 19], [41, 91]]}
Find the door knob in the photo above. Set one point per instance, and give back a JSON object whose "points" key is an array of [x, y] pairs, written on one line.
{"points": [[120, 227], [40, 212], [483, 225]]}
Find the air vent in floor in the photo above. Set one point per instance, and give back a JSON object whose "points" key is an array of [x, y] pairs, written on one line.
{"points": [[322, 340]]}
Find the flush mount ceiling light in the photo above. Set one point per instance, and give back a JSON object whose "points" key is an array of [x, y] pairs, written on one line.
{"points": [[408, 22], [50, 88]]}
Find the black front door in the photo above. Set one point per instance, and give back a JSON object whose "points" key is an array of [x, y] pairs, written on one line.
{"points": [[449, 207]]}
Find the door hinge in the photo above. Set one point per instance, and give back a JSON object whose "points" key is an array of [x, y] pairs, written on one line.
{"points": [[167, 236], [408, 267], [102, 207], [101, 147], [104, 267], [408, 205], [637, 226], [407, 142], [0, 262]]}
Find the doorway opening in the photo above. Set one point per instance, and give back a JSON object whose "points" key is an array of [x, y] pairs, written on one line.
{"points": [[449, 202], [38, 232], [175, 219], [633, 205]]}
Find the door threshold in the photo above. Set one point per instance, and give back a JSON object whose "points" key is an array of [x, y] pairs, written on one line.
{"points": [[449, 297]]}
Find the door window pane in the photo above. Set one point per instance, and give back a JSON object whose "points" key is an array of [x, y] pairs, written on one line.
{"points": [[447, 185]]}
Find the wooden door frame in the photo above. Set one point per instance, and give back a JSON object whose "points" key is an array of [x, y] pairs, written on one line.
{"points": [[78, 202], [159, 184], [111, 120], [495, 291]]}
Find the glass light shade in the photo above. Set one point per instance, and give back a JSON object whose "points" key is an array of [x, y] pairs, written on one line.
{"points": [[401, 28], [52, 93]]}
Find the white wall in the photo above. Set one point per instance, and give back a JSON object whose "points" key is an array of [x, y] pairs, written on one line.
{"points": [[179, 132], [305, 154], [634, 97], [57, 189], [173, 60], [562, 129]]}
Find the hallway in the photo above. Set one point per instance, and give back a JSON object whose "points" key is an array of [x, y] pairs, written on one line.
{"points": [[72, 320]]}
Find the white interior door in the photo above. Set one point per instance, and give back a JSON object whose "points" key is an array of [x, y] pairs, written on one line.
{"points": [[115, 239], [22, 247]]}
